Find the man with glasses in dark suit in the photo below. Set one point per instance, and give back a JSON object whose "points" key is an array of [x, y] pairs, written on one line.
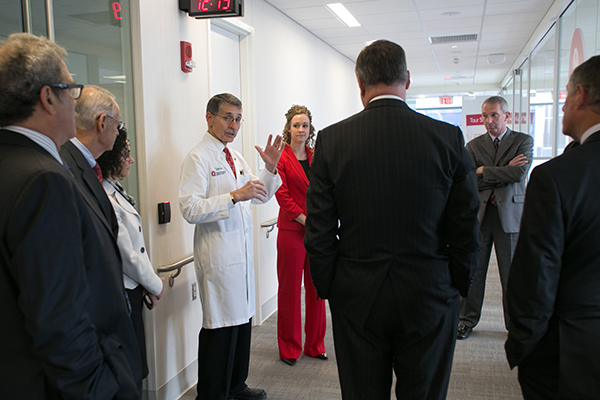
{"points": [[65, 331], [553, 297]]}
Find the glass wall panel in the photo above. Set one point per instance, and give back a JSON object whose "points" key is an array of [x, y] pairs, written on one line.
{"points": [[450, 115], [96, 35], [579, 24], [11, 18], [541, 100]]}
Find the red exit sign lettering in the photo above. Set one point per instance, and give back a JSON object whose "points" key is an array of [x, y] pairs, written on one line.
{"points": [[445, 100]]}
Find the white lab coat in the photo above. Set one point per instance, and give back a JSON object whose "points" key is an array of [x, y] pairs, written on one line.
{"points": [[137, 269], [223, 247]]}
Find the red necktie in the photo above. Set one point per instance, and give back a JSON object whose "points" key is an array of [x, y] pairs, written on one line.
{"points": [[98, 172], [230, 160], [493, 196]]}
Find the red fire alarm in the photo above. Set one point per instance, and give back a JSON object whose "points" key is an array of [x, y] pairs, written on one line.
{"points": [[187, 65]]}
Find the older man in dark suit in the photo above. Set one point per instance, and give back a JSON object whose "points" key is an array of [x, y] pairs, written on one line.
{"points": [[98, 124], [553, 289], [66, 332], [502, 158], [392, 234]]}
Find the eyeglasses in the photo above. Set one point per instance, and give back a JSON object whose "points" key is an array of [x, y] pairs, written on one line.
{"points": [[229, 119], [120, 124], [74, 90]]}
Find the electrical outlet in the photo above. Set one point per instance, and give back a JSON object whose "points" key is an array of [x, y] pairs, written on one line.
{"points": [[194, 291]]}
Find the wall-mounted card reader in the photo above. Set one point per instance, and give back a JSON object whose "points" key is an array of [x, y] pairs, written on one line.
{"points": [[164, 212]]}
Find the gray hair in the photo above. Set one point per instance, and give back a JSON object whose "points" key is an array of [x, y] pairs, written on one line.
{"points": [[94, 101], [27, 63], [382, 62], [587, 75], [215, 103], [497, 100]]}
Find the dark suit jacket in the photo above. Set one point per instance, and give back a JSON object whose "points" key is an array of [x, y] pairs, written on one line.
{"points": [[291, 195], [66, 331], [403, 189], [507, 181], [87, 177], [555, 274]]}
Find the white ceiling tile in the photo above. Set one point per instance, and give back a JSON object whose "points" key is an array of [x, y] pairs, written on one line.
{"points": [[379, 7], [464, 25], [438, 14], [308, 13], [428, 4], [386, 18], [504, 26], [409, 28]]}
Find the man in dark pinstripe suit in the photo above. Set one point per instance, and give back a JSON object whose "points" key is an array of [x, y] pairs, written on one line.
{"points": [[392, 236]]}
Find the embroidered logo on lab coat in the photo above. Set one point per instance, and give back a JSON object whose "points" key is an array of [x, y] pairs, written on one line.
{"points": [[217, 172]]}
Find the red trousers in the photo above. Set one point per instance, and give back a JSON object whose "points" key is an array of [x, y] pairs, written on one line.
{"points": [[292, 261]]}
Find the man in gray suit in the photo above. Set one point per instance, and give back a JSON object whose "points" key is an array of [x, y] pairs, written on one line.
{"points": [[502, 158]]}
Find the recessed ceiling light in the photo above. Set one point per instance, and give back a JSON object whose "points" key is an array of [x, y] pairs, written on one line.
{"points": [[343, 14], [454, 47], [369, 42], [115, 77], [497, 58]]}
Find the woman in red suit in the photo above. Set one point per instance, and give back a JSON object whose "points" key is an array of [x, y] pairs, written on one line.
{"points": [[292, 260]]}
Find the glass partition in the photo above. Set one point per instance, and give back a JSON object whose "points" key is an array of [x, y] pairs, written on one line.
{"points": [[579, 35], [541, 96], [97, 38]]}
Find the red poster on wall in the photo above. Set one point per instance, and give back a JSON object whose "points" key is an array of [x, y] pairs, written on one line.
{"points": [[474, 119]]}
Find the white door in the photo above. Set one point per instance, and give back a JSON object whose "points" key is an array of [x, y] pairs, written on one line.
{"points": [[225, 70]]}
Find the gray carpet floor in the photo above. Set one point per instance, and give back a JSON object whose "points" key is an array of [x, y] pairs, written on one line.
{"points": [[480, 370]]}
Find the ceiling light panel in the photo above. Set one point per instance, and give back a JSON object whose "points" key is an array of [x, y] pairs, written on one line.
{"points": [[343, 15], [453, 39]]}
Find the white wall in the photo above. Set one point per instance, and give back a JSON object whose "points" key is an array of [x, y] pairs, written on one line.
{"points": [[290, 66]]}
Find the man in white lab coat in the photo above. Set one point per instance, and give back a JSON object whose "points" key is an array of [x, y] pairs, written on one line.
{"points": [[215, 192]]}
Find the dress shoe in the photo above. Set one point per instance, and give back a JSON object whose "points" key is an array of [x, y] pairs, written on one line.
{"points": [[322, 356], [249, 394], [289, 361], [463, 332]]}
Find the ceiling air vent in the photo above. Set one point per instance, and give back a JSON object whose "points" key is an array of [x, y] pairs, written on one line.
{"points": [[453, 39]]}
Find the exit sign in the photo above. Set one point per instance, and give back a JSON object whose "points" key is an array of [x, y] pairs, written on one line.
{"points": [[446, 100]]}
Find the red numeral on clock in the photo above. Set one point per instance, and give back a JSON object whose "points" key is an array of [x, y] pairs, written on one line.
{"points": [[116, 6]]}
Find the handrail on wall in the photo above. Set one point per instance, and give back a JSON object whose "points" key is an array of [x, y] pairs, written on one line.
{"points": [[269, 224], [176, 266], [180, 264]]}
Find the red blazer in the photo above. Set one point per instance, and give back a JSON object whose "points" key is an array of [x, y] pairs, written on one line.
{"points": [[291, 195]]}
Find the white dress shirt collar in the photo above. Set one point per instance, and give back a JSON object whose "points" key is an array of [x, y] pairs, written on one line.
{"points": [[85, 151], [386, 96], [589, 132], [499, 137]]}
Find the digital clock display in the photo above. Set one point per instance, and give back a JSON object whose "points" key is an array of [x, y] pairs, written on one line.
{"points": [[212, 8]]}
